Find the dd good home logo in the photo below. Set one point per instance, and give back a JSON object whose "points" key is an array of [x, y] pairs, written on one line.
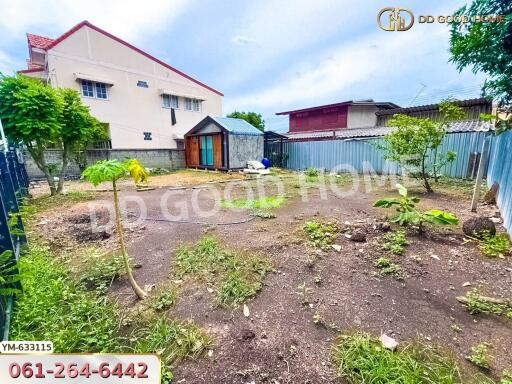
{"points": [[395, 19]]}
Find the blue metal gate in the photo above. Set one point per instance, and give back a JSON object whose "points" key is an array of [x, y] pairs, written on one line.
{"points": [[13, 188]]}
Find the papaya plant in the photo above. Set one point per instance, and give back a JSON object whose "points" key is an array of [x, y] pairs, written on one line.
{"points": [[408, 215], [112, 171]]}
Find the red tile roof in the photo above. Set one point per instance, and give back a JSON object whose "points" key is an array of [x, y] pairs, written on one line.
{"points": [[38, 41], [46, 43]]}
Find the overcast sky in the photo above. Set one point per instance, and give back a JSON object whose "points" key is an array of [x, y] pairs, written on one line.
{"points": [[266, 55]]}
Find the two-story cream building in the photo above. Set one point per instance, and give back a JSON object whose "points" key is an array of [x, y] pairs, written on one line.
{"points": [[144, 102]]}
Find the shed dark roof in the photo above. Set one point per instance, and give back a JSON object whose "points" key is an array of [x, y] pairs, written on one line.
{"points": [[435, 107], [382, 104], [353, 133]]}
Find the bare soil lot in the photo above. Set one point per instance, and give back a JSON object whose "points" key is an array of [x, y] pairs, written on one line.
{"points": [[287, 338]]}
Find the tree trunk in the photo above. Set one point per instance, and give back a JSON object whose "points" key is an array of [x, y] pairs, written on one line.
{"points": [[65, 161], [38, 156], [120, 232], [425, 176]]}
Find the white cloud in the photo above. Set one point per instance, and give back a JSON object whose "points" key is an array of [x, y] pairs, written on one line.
{"points": [[131, 20], [243, 40]]}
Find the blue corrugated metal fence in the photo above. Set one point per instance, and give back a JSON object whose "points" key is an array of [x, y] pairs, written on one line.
{"points": [[500, 171], [359, 155]]}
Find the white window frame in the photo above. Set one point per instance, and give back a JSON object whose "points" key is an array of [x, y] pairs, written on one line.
{"points": [[187, 104], [196, 105], [94, 89], [171, 98]]}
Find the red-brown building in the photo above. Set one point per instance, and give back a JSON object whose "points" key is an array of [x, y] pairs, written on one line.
{"points": [[333, 117]]}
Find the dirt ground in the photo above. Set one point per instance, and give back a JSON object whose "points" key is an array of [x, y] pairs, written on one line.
{"points": [[279, 342]]}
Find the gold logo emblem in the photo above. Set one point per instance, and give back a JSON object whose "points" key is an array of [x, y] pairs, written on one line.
{"points": [[395, 19]]}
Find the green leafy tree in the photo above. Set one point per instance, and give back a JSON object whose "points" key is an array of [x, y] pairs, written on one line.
{"points": [[37, 116], [78, 128], [31, 115], [487, 48], [407, 213], [112, 171], [415, 143], [252, 118]]}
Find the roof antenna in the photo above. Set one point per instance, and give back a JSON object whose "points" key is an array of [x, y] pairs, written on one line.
{"points": [[423, 86]]}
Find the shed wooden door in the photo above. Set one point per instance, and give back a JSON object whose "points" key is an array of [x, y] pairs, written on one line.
{"points": [[192, 151], [217, 151]]}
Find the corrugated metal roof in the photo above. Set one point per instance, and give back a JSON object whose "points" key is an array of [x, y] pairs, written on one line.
{"points": [[237, 126], [352, 133], [381, 104], [435, 107]]}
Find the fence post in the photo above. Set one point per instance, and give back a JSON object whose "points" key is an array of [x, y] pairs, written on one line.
{"points": [[480, 173]]}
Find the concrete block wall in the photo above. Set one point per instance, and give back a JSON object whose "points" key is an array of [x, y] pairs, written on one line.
{"points": [[151, 158]]}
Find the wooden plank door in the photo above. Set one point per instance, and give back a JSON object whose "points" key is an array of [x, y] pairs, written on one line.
{"points": [[192, 151], [217, 151]]}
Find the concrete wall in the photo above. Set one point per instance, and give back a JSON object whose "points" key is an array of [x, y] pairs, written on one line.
{"points": [[151, 158], [243, 148], [361, 116], [129, 110]]}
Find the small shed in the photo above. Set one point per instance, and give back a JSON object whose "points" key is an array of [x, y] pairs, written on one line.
{"points": [[223, 143]]}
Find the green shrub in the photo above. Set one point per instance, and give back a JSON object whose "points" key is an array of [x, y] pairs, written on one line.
{"points": [[321, 235], [360, 358], [311, 172], [395, 242], [408, 214]]}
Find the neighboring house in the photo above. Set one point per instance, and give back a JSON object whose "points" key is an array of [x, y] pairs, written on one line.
{"points": [[354, 120], [144, 102], [223, 143], [333, 117]]}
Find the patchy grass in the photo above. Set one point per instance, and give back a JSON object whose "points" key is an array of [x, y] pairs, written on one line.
{"points": [[173, 340], [480, 356], [164, 297], [98, 270], [267, 202], [321, 235], [476, 303], [34, 206], [387, 267], [54, 308], [395, 242], [361, 358], [236, 277], [495, 246], [459, 187]]}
